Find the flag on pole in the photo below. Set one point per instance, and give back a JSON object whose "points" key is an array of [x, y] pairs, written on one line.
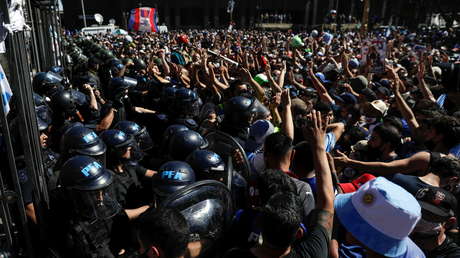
{"points": [[230, 6], [5, 90], [143, 19]]}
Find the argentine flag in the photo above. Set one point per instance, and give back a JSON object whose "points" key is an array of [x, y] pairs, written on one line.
{"points": [[5, 90]]}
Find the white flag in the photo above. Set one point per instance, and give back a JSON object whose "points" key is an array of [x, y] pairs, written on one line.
{"points": [[6, 90]]}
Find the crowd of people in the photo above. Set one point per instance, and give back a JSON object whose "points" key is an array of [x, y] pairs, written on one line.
{"points": [[275, 18], [251, 144]]}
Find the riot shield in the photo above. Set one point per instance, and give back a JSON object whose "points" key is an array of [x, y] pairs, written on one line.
{"points": [[227, 147], [207, 207]]}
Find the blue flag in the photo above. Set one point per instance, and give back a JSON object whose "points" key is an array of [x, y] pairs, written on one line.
{"points": [[5, 90]]}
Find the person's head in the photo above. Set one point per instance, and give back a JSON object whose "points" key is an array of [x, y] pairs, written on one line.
{"points": [[375, 109], [438, 215], [351, 136], [384, 139], [302, 164], [119, 146], [272, 181], [240, 112], [278, 151], [441, 129], [448, 170], [379, 216], [185, 142], [258, 132], [326, 111], [207, 165], [87, 186], [163, 232], [280, 220], [171, 177]]}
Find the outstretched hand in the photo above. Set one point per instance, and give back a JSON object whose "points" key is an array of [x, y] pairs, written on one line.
{"points": [[315, 131]]}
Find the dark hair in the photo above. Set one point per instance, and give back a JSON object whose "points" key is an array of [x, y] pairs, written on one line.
{"points": [[159, 227], [273, 181], [324, 108], [449, 127], [281, 218], [427, 108], [394, 121], [303, 157], [445, 167], [277, 145], [389, 134]]}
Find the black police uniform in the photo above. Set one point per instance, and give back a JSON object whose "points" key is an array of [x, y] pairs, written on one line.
{"points": [[81, 227]]}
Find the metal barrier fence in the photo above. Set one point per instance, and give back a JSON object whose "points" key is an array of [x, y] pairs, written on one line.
{"points": [[27, 52]]}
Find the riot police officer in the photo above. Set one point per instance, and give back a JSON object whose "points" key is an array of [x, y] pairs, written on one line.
{"points": [[239, 113], [79, 140], [207, 165], [172, 176], [140, 134], [127, 185], [185, 142], [207, 207], [47, 84], [185, 108], [84, 210]]}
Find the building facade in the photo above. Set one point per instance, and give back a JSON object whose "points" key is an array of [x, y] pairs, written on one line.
{"points": [[213, 13]]}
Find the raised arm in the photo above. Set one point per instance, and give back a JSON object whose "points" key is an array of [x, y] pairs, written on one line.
{"points": [[419, 162], [316, 134], [288, 123], [427, 94], [322, 92]]}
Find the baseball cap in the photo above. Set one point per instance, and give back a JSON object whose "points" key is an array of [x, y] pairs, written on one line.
{"points": [[358, 83], [261, 79], [381, 215], [258, 131], [380, 106], [384, 91], [349, 98], [355, 184], [353, 63], [438, 205], [322, 77]]}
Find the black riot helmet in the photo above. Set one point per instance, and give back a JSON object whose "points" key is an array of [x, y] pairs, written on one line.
{"points": [[120, 84], [207, 165], [140, 134], [172, 176], [47, 84], [169, 133], [186, 103], [139, 64], [57, 70], [79, 140], [117, 143], [64, 102], [43, 117], [207, 207], [116, 66], [87, 184], [167, 98], [38, 100], [185, 142], [240, 111]]}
